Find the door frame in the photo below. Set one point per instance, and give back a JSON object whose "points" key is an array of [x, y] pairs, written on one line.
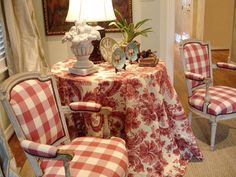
{"points": [[167, 31]]}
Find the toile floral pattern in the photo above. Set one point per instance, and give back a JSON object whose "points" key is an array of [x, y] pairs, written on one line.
{"points": [[146, 113]]}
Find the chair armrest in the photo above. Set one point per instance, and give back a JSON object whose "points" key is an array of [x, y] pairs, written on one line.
{"points": [[44, 151], [92, 107], [85, 106], [47, 151], [39, 150], [226, 65], [194, 76], [207, 81]]}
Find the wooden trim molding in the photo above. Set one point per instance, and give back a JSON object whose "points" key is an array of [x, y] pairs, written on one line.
{"points": [[167, 31]]}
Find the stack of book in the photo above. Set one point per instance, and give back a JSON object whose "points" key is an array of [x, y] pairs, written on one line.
{"points": [[150, 61]]}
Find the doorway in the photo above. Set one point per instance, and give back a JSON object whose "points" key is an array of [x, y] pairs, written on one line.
{"points": [[207, 20], [183, 19]]}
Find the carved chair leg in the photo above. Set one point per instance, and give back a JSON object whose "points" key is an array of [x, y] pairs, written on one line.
{"points": [[67, 169], [190, 117], [106, 129], [213, 134]]}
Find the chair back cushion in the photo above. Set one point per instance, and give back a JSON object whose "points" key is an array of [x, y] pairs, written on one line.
{"points": [[197, 60], [35, 107]]}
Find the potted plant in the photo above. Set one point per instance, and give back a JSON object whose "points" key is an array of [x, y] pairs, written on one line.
{"points": [[130, 30]]}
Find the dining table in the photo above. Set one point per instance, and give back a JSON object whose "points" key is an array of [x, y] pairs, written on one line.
{"points": [[146, 113]]}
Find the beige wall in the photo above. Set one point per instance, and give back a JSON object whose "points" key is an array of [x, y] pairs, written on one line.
{"points": [[198, 19], [56, 51], [211, 21], [218, 23], [183, 18], [178, 27], [233, 41]]}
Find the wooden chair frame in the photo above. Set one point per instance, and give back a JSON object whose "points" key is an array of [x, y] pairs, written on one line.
{"points": [[207, 83], [7, 161], [5, 89]]}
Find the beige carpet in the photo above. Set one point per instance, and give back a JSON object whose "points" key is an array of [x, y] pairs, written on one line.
{"points": [[222, 161], [218, 163]]}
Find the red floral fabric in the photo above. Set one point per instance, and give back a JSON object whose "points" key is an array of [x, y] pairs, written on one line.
{"points": [[146, 113]]}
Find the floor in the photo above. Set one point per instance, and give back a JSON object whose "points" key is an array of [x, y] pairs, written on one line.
{"points": [[17, 151]]}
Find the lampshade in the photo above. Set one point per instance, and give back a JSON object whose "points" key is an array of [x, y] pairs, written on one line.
{"points": [[90, 11]]}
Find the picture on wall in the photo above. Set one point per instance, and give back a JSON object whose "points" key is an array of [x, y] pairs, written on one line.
{"points": [[55, 14]]}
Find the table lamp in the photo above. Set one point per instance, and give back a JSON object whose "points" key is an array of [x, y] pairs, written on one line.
{"points": [[81, 35]]}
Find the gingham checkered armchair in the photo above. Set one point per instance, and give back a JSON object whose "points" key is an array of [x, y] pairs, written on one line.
{"points": [[33, 106], [214, 103]]}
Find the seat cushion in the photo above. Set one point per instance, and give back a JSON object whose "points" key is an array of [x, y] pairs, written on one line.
{"points": [[223, 100], [92, 157]]}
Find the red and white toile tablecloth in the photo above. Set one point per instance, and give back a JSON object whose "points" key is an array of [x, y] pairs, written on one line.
{"points": [[146, 113]]}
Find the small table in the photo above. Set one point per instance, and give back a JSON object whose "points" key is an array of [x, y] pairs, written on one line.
{"points": [[146, 113]]}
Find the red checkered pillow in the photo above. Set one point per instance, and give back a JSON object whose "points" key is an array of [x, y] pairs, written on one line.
{"points": [[226, 65], [85, 106], [222, 101], [197, 60], [36, 110], [41, 150], [92, 157]]}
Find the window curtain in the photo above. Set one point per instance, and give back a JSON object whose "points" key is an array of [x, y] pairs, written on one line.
{"points": [[24, 47]]}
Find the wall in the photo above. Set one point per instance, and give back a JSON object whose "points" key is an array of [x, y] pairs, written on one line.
{"points": [[56, 51], [233, 41], [183, 18], [218, 23], [198, 19]]}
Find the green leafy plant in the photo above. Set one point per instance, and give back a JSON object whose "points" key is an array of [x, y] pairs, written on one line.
{"points": [[130, 30]]}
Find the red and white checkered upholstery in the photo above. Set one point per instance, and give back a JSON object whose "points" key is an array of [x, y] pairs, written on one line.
{"points": [[222, 100], [85, 106], [226, 65], [37, 149], [32, 100], [94, 157], [36, 110], [194, 76], [197, 60]]}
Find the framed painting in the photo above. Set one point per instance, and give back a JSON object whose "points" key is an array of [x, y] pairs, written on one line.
{"points": [[55, 14]]}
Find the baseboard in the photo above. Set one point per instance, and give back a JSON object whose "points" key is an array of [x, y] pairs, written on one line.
{"points": [[215, 49], [9, 132]]}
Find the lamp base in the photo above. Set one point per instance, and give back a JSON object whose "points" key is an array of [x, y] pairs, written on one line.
{"points": [[83, 72]]}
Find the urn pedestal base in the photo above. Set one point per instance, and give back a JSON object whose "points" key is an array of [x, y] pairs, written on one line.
{"points": [[83, 65], [83, 72]]}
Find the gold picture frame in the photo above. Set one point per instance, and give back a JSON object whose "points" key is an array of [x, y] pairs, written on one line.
{"points": [[55, 14]]}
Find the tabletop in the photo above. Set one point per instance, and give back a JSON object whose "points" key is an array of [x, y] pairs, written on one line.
{"points": [[146, 112]]}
